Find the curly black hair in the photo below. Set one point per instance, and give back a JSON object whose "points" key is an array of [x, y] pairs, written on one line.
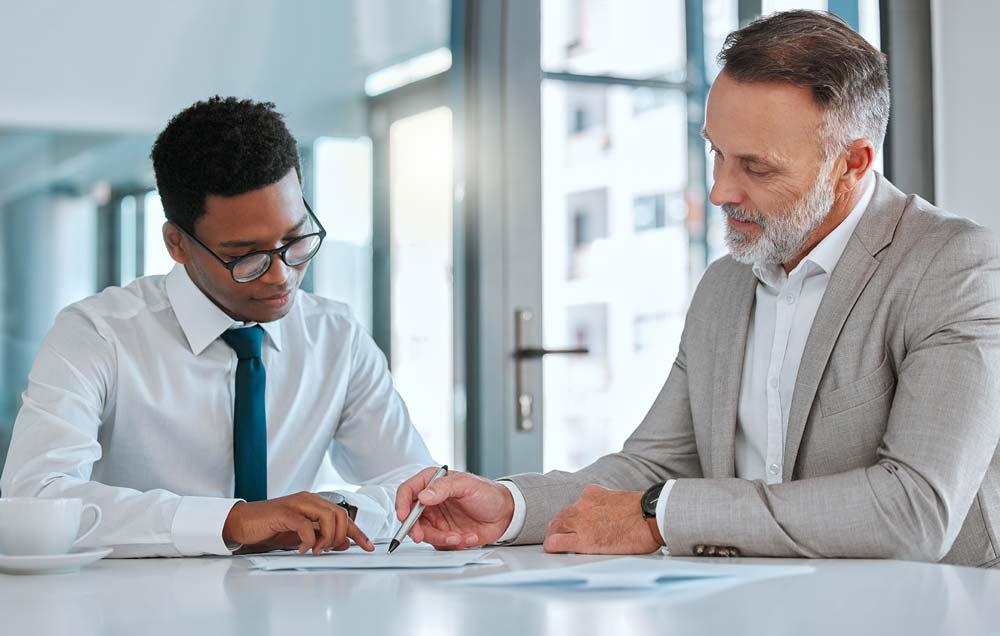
{"points": [[223, 146]]}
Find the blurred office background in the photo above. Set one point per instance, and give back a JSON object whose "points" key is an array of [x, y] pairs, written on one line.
{"points": [[493, 174]]}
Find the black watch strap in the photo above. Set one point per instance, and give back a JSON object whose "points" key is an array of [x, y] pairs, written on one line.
{"points": [[650, 498]]}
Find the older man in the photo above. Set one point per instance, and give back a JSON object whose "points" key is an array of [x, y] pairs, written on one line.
{"points": [[835, 392]]}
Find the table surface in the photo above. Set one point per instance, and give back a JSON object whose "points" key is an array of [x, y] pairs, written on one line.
{"points": [[222, 596]]}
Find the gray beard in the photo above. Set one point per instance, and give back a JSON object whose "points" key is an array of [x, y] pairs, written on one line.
{"points": [[782, 235]]}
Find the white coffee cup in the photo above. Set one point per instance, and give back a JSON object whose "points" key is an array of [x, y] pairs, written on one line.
{"points": [[36, 526]]}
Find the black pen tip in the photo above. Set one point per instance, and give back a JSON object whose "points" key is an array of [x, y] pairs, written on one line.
{"points": [[393, 545]]}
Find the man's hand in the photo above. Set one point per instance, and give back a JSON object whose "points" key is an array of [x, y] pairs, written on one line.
{"points": [[462, 510], [292, 522], [603, 521]]}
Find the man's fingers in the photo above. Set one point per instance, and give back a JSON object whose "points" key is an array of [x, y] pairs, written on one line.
{"points": [[343, 527], [304, 528], [328, 517], [417, 532], [354, 532], [431, 518], [406, 494], [442, 538], [560, 543], [560, 524], [327, 520]]}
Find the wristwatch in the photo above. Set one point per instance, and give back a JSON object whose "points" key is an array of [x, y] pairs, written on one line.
{"points": [[338, 499], [650, 499]]}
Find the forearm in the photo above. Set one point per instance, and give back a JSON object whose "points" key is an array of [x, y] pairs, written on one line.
{"points": [[883, 511], [142, 524]]}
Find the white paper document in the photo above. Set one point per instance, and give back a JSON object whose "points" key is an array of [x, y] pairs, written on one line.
{"points": [[633, 573], [407, 556]]}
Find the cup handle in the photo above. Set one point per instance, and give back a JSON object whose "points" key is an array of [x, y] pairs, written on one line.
{"points": [[97, 521]]}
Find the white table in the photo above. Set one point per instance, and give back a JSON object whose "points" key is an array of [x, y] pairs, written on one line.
{"points": [[222, 596]]}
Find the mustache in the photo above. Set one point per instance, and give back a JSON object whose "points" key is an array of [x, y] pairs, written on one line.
{"points": [[739, 214]]}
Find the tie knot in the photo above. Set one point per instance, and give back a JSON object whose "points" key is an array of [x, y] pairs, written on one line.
{"points": [[245, 342]]}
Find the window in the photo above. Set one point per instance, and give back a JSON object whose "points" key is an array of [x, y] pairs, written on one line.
{"points": [[342, 200], [128, 235], [649, 331], [654, 211], [598, 37], [422, 305], [624, 212], [649, 212], [587, 109], [156, 259], [646, 99], [588, 220]]}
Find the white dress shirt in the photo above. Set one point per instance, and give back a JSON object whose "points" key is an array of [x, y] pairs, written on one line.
{"points": [[129, 405], [784, 309]]}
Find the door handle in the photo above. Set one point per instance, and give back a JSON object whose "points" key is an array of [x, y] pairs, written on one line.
{"points": [[529, 353], [525, 404]]}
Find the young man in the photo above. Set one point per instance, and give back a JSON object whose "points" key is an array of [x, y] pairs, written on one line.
{"points": [[190, 407], [835, 392]]}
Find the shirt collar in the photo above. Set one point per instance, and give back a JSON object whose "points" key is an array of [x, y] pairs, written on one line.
{"points": [[825, 256], [200, 319]]}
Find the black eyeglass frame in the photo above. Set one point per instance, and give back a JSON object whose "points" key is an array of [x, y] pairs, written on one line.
{"points": [[279, 251]]}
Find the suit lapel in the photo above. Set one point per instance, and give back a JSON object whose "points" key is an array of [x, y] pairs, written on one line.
{"points": [[855, 268], [852, 273], [731, 348]]}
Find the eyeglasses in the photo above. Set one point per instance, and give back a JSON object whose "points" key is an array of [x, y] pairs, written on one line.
{"points": [[250, 267]]}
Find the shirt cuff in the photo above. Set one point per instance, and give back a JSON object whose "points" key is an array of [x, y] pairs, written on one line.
{"points": [[198, 523], [517, 520], [371, 517], [661, 514]]}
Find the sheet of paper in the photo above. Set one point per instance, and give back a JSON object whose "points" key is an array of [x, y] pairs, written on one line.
{"points": [[407, 556], [636, 573]]}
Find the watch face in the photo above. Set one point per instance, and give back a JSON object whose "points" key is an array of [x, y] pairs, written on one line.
{"points": [[649, 500]]}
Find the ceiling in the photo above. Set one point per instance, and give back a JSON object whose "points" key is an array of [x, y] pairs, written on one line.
{"points": [[94, 82]]}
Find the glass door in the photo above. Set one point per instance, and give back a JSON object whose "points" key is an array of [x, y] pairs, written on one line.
{"points": [[420, 274], [626, 227], [627, 230], [413, 265]]}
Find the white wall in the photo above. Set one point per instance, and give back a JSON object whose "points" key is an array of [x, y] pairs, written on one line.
{"points": [[967, 107]]}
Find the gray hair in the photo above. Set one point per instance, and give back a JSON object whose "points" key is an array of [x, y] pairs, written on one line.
{"points": [[817, 50]]}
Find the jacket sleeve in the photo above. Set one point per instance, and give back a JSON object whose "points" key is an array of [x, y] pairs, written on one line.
{"points": [[941, 434]]}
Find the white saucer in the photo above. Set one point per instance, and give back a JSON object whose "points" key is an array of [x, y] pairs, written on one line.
{"points": [[52, 563]]}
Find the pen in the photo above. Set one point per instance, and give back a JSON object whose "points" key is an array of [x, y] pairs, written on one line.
{"points": [[415, 513]]}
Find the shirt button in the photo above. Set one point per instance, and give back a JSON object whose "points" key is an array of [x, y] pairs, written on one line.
{"points": [[774, 383], [774, 469], [789, 299]]}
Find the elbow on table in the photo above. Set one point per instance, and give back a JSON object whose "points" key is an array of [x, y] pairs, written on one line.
{"points": [[922, 535], [915, 518], [931, 548]]}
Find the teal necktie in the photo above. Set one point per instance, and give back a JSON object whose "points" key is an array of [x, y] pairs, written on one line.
{"points": [[249, 420]]}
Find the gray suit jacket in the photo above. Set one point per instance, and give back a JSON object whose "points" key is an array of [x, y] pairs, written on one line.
{"points": [[891, 449]]}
